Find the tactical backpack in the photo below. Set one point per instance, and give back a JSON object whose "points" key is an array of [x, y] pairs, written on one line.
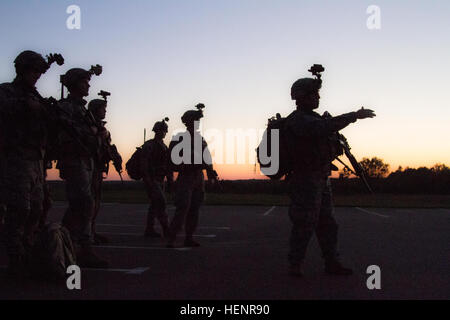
{"points": [[53, 252], [133, 166], [265, 147]]}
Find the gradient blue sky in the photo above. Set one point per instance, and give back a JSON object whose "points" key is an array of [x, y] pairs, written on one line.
{"points": [[240, 58]]}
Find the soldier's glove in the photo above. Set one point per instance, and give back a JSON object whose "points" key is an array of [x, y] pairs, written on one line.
{"points": [[364, 113]]}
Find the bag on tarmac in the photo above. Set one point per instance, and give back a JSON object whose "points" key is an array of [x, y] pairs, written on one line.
{"points": [[133, 166], [265, 147], [53, 252]]}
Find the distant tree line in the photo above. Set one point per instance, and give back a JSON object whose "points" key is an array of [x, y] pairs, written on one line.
{"points": [[423, 180]]}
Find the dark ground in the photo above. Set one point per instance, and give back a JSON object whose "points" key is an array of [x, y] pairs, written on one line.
{"points": [[243, 256]]}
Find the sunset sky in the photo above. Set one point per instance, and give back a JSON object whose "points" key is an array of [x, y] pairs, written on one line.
{"points": [[239, 58]]}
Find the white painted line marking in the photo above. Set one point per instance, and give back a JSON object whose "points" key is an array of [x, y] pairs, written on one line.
{"points": [[142, 225], [142, 234], [138, 270], [269, 211], [371, 212], [119, 225], [144, 248], [404, 210], [217, 228], [146, 210]]}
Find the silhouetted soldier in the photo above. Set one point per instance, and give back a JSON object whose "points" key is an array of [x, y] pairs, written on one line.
{"points": [[107, 153], [155, 168], [190, 185], [25, 123], [316, 146], [2, 179], [76, 165]]}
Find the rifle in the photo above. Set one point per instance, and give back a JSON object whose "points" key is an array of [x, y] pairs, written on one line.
{"points": [[113, 154], [357, 169]]}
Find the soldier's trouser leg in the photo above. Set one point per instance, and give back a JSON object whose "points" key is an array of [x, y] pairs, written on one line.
{"points": [[157, 208], [78, 217], [306, 199], [97, 180], [24, 183], [193, 214], [327, 228], [2, 191], [47, 205], [182, 201]]}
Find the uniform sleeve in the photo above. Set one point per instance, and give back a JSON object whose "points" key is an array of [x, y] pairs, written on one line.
{"points": [[207, 158], [309, 126], [9, 105], [144, 160]]}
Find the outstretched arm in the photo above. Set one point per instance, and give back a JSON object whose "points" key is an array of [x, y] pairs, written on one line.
{"points": [[311, 126]]}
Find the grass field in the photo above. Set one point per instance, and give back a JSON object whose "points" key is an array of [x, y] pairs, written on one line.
{"points": [[358, 200]]}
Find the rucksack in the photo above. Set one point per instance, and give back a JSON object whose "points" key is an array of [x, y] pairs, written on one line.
{"points": [[275, 123], [53, 252], [133, 166]]}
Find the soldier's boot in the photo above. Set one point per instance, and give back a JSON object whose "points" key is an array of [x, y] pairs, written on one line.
{"points": [[334, 267], [166, 232], [190, 242], [296, 270], [100, 239], [171, 240], [87, 258]]}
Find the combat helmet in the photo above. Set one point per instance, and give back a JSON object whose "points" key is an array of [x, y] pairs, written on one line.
{"points": [[74, 75], [30, 60], [193, 115], [95, 104], [98, 103], [161, 126], [305, 86]]}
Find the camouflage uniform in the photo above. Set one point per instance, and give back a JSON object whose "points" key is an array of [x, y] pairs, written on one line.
{"points": [[189, 192], [76, 165], [155, 159], [108, 152], [311, 209], [25, 143], [2, 178]]}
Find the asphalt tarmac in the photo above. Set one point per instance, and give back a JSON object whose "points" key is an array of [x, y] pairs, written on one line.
{"points": [[243, 255]]}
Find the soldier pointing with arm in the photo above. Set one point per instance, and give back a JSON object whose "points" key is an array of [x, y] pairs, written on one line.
{"points": [[315, 141]]}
